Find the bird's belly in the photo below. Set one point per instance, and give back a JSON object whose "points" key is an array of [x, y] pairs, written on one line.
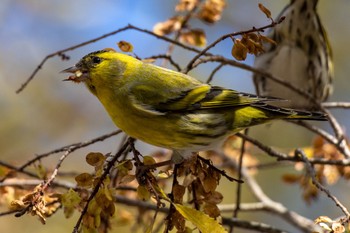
{"points": [[195, 132], [291, 65]]}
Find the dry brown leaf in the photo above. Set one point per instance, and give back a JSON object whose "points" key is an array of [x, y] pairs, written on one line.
{"points": [[84, 179], [266, 11], [194, 37], [125, 46], [169, 26], [186, 5], [239, 50]]}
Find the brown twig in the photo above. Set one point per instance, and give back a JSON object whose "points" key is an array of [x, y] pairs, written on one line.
{"points": [[247, 207], [55, 171], [184, 23], [167, 57], [30, 183], [99, 183], [12, 167], [268, 165], [60, 52], [230, 35], [226, 221], [222, 172], [343, 148], [319, 186], [239, 185], [128, 27], [251, 225], [339, 133], [285, 157], [71, 148], [172, 208], [302, 223], [210, 78], [226, 61]]}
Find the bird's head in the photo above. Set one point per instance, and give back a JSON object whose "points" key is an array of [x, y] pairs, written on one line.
{"points": [[92, 63], [99, 70]]}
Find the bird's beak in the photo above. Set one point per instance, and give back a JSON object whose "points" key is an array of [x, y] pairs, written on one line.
{"points": [[72, 69], [77, 76]]}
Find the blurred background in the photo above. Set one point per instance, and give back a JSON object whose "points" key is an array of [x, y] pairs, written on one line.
{"points": [[50, 113]]}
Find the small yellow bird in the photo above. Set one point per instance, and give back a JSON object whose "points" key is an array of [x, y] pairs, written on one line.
{"points": [[170, 109]]}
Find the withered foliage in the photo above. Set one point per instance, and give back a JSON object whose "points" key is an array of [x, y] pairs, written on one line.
{"points": [[208, 11]]}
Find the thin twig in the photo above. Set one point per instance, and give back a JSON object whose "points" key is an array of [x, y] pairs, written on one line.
{"points": [[99, 183], [251, 225], [247, 207], [239, 185], [222, 172], [285, 157], [230, 35], [192, 49], [304, 224], [268, 165], [226, 61], [128, 27], [336, 105], [167, 57], [319, 186], [60, 52], [55, 171], [339, 133], [184, 23], [10, 212], [30, 183], [172, 208], [343, 148], [12, 167], [214, 72], [71, 147], [226, 221]]}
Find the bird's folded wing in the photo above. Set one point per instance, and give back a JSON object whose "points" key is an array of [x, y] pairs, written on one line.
{"points": [[201, 96]]}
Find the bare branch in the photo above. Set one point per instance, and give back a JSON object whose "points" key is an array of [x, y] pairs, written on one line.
{"points": [[33, 183], [226, 61], [190, 65], [71, 148], [128, 27], [339, 133], [277, 208], [251, 225], [167, 57], [240, 177], [311, 171], [343, 148], [286, 157], [214, 72], [336, 105]]}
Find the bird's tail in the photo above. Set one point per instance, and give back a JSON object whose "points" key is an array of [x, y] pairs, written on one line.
{"points": [[291, 114], [261, 112]]}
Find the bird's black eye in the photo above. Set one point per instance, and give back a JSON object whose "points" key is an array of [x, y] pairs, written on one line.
{"points": [[96, 60]]}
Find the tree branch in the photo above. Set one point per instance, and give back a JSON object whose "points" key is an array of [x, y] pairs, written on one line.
{"points": [[304, 224]]}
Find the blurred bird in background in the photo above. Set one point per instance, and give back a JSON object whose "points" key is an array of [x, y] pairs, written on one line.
{"points": [[301, 57]]}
